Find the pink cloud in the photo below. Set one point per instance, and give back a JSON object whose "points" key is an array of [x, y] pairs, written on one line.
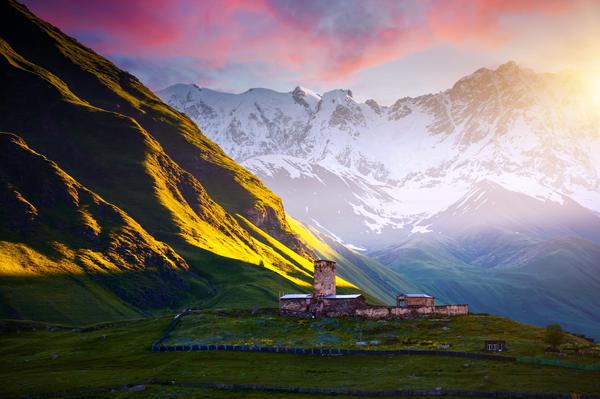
{"points": [[463, 21], [135, 22], [317, 41]]}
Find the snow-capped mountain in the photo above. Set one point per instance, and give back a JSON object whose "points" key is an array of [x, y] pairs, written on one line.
{"points": [[371, 175]]}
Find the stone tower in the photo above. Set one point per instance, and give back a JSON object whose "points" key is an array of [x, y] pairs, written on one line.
{"points": [[324, 278]]}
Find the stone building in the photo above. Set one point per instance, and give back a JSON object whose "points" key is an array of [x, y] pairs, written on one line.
{"points": [[414, 300], [324, 302]]}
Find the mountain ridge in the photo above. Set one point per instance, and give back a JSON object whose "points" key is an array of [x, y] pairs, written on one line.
{"points": [[177, 191]]}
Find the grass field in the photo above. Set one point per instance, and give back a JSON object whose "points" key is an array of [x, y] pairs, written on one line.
{"points": [[198, 392], [465, 333], [76, 362]]}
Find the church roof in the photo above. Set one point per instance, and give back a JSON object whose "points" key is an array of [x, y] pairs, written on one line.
{"points": [[296, 296], [307, 296]]}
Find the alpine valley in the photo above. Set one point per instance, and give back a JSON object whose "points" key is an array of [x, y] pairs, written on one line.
{"points": [[487, 193]]}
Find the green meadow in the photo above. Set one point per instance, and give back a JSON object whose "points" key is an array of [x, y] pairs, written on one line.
{"points": [[46, 360], [463, 333]]}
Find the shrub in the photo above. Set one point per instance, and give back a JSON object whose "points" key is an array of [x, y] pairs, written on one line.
{"points": [[554, 336]]}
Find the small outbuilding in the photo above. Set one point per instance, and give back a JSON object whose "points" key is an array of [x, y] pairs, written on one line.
{"points": [[414, 300]]}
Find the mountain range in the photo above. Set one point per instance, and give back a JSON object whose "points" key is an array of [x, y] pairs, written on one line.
{"points": [[115, 205], [367, 172], [486, 193]]}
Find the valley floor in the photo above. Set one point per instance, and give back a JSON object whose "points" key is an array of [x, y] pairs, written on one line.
{"points": [[43, 360]]}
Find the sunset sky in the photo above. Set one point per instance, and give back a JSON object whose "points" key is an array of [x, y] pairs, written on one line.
{"points": [[379, 49]]}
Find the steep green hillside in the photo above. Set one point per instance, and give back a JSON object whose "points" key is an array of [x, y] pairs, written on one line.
{"points": [[116, 205], [96, 81], [67, 255], [54, 228]]}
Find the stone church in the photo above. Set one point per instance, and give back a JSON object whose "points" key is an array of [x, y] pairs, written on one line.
{"points": [[324, 302]]}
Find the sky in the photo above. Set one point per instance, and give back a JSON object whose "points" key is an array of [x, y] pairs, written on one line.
{"points": [[380, 49]]}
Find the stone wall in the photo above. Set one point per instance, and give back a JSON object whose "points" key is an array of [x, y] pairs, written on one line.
{"points": [[418, 301], [452, 310], [400, 313], [341, 307], [384, 312], [319, 307], [374, 312], [294, 307]]}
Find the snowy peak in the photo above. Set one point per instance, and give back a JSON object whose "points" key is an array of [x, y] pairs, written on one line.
{"points": [[507, 72], [378, 109], [488, 199], [509, 67], [498, 93], [484, 193], [490, 206], [333, 98], [306, 97], [339, 94]]}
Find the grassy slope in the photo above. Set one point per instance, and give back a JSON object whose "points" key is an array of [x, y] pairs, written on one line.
{"points": [[44, 361], [189, 392], [86, 261], [532, 291], [464, 333], [115, 139], [56, 231]]}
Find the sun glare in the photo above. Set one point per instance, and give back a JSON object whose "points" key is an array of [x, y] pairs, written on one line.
{"points": [[593, 89]]}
